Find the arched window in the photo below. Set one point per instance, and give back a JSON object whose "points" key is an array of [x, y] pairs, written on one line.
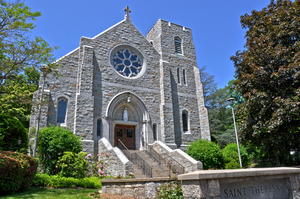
{"points": [[154, 132], [178, 45], [185, 121], [62, 110], [99, 128]]}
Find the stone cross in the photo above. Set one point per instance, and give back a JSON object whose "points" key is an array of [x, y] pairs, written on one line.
{"points": [[127, 10]]}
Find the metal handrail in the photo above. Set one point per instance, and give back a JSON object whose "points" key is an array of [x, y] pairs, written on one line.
{"points": [[142, 163], [177, 166], [155, 156], [135, 158], [125, 150], [123, 145]]}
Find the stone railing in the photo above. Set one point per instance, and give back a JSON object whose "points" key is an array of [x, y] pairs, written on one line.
{"points": [[183, 159], [119, 165]]}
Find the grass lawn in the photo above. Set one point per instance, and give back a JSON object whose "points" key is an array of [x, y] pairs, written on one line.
{"points": [[45, 193]]}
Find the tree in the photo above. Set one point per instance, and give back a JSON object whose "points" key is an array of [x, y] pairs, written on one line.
{"points": [[21, 56], [268, 76], [220, 114], [16, 101], [11, 131], [209, 86]]}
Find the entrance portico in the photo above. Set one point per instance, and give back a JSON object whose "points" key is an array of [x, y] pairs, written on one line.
{"points": [[128, 119]]}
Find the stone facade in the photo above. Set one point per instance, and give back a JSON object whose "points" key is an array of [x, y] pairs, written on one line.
{"points": [[99, 96], [137, 188]]}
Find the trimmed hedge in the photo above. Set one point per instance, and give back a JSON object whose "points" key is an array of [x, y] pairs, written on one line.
{"points": [[17, 171], [55, 181]]}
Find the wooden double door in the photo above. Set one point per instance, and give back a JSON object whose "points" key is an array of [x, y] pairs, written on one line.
{"points": [[125, 133]]}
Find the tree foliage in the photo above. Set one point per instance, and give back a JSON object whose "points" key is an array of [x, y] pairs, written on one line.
{"points": [[209, 87], [16, 101], [220, 114], [12, 130], [230, 154], [268, 77], [21, 56]]}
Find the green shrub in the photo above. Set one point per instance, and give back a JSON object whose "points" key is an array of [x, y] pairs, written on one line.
{"points": [[169, 190], [209, 153], [12, 130], [230, 154], [232, 165], [73, 165], [52, 143], [16, 171], [45, 180]]}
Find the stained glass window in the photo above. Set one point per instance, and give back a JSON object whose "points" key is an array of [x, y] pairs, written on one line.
{"points": [[61, 110], [127, 62]]}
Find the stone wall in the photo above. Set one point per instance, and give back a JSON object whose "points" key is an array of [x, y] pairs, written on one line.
{"points": [[189, 163], [138, 188], [118, 164], [275, 183]]}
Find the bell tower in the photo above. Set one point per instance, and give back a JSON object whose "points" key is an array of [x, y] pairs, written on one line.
{"points": [[184, 117]]}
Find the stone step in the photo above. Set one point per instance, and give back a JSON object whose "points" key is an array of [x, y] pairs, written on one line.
{"points": [[157, 169], [138, 173]]}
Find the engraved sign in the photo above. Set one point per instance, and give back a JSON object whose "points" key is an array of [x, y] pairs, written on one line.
{"points": [[255, 189]]}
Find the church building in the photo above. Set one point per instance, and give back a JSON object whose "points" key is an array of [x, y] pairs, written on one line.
{"points": [[122, 85]]}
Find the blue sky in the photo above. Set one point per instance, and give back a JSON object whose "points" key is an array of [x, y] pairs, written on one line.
{"points": [[215, 24]]}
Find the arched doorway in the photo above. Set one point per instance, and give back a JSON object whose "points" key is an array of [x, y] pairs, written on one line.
{"points": [[127, 119]]}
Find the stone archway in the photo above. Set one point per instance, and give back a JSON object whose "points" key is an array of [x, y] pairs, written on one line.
{"points": [[128, 111]]}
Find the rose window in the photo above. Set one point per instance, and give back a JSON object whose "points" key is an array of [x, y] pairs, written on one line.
{"points": [[127, 62]]}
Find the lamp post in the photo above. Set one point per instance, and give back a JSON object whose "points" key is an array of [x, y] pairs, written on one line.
{"points": [[231, 100], [45, 71]]}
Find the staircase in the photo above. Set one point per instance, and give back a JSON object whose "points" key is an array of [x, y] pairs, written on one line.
{"points": [[145, 165], [158, 170]]}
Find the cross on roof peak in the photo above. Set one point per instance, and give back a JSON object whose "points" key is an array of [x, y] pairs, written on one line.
{"points": [[127, 10]]}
